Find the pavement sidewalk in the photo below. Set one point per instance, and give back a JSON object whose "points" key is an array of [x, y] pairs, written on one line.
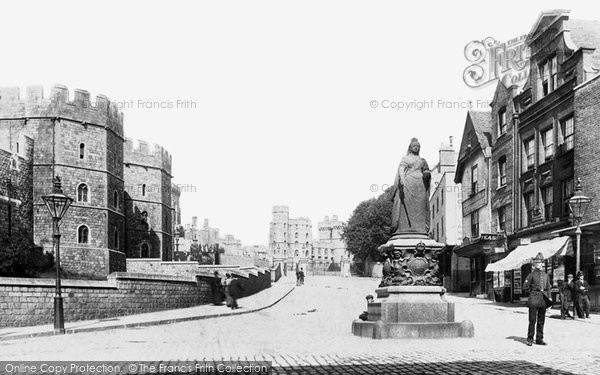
{"points": [[256, 302], [519, 308]]}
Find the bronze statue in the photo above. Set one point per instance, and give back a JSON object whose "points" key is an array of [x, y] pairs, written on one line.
{"points": [[410, 214]]}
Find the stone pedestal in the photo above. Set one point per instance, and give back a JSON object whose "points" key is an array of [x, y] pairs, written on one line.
{"points": [[411, 312], [410, 302]]}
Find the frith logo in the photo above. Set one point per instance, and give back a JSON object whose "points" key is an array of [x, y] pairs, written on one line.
{"points": [[492, 60]]}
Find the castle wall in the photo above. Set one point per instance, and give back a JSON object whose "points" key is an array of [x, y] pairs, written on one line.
{"points": [[82, 142], [148, 183]]}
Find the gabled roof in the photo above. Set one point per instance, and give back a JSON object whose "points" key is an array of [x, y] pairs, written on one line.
{"points": [[477, 135], [514, 90], [545, 19]]}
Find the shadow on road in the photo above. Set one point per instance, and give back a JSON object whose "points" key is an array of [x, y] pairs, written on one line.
{"points": [[522, 340]]}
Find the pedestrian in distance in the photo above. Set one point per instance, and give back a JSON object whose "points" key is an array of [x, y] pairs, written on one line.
{"points": [[582, 289], [227, 287], [301, 276], [538, 285], [236, 290], [297, 276], [216, 289], [564, 294]]}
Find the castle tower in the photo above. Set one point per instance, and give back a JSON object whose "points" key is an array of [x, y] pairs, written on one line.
{"points": [[148, 201], [330, 246], [278, 233], [82, 142]]}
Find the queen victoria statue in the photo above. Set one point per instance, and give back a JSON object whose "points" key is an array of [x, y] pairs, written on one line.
{"points": [[410, 301], [410, 213]]}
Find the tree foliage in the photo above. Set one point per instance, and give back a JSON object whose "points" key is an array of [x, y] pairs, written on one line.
{"points": [[19, 257], [369, 227]]}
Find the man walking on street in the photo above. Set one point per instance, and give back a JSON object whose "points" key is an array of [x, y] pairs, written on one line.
{"points": [[582, 288], [538, 285]]}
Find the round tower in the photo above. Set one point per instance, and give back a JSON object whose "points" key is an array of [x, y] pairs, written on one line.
{"points": [[81, 141]]}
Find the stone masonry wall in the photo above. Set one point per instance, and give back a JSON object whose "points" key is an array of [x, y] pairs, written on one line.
{"points": [[30, 301], [59, 126], [253, 279]]}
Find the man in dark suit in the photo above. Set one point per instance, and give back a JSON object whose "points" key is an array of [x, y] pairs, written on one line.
{"points": [[582, 288], [564, 293], [538, 285], [236, 290], [571, 285]]}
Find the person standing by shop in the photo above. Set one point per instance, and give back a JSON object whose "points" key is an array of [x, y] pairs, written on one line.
{"points": [[538, 285], [564, 293], [576, 308], [582, 288]]}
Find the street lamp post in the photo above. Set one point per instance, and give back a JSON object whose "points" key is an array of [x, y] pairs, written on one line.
{"points": [[57, 204], [578, 204], [177, 245]]}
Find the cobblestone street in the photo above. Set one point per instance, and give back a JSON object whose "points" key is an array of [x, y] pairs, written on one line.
{"points": [[309, 332]]}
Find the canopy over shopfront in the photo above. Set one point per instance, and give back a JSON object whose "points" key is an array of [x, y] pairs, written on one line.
{"points": [[523, 253]]}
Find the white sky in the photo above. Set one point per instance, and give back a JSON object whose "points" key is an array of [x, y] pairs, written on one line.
{"points": [[282, 88]]}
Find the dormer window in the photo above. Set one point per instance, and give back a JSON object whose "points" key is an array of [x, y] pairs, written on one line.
{"points": [[548, 75]]}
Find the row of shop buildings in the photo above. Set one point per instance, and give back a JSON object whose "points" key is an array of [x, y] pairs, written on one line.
{"points": [[520, 163]]}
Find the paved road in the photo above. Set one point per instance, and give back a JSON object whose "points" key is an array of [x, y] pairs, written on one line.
{"points": [[309, 332]]}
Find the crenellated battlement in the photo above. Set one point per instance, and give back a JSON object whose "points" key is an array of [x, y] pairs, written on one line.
{"points": [[145, 153], [34, 104], [281, 209]]}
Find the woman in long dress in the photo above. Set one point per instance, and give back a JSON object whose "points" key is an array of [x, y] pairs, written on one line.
{"points": [[410, 213]]}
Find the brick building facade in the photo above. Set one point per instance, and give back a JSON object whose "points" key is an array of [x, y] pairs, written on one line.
{"points": [[544, 136], [446, 219], [473, 173]]}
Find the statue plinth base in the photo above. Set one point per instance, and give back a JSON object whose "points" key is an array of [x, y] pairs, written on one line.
{"points": [[410, 302], [411, 312]]}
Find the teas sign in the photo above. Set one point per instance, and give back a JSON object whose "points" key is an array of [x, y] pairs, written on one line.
{"points": [[489, 237]]}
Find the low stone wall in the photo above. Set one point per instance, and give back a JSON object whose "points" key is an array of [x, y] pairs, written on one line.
{"points": [[253, 279], [276, 273], [27, 302], [240, 260], [158, 267]]}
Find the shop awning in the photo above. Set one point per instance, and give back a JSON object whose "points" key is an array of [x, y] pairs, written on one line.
{"points": [[523, 253], [587, 228]]}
